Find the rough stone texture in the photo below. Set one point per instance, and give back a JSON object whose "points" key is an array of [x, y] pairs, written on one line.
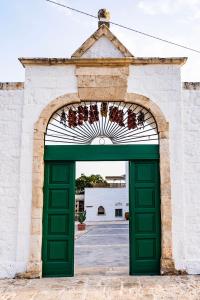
{"points": [[102, 71], [11, 103], [106, 93], [11, 85], [110, 287], [191, 85], [102, 83], [191, 119]]}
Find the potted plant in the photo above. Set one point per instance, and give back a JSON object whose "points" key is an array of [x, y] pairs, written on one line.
{"points": [[81, 219], [127, 216]]}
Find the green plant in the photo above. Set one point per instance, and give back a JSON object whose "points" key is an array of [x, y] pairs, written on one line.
{"points": [[82, 216], [88, 181]]}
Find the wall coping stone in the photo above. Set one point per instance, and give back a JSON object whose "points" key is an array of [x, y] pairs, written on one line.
{"points": [[191, 85], [11, 85], [103, 61]]}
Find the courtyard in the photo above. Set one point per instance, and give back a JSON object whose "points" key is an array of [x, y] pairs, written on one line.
{"points": [[104, 248], [101, 272]]}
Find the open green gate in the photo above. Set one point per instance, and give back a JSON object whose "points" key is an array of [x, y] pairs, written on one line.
{"points": [[58, 219], [59, 198]]}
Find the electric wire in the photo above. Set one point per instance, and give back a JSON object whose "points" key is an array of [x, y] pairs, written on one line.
{"points": [[126, 27]]}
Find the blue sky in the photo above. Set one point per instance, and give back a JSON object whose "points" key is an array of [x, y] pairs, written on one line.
{"points": [[35, 28]]}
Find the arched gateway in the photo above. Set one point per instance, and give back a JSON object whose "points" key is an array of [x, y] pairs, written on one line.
{"points": [[71, 128]]}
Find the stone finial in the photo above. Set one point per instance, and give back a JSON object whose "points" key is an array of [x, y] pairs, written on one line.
{"points": [[104, 17]]}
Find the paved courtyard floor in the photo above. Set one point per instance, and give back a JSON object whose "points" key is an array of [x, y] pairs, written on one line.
{"points": [[101, 247], [102, 274], [103, 287]]}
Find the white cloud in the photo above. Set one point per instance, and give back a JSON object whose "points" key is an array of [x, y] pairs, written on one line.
{"points": [[196, 15], [154, 7]]}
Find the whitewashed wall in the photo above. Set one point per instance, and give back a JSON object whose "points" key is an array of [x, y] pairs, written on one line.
{"points": [[42, 85], [110, 199], [162, 84], [191, 201], [102, 48], [11, 103], [20, 110]]}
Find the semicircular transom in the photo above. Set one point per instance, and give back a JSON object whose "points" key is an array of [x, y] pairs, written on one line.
{"points": [[96, 122]]}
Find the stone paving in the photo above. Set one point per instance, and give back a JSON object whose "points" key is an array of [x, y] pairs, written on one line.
{"points": [[102, 287], [102, 274], [103, 246]]}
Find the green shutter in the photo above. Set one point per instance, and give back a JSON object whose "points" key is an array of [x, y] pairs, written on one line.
{"points": [[144, 222], [58, 219]]}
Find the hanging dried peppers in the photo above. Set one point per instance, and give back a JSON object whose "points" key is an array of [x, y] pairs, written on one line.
{"points": [[80, 115], [63, 118], [72, 118], [85, 113], [104, 109], [140, 119], [121, 118], [131, 119], [93, 114], [116, 115]]}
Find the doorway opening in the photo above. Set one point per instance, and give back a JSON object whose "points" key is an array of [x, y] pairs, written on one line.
{"points": [[102, 195]]}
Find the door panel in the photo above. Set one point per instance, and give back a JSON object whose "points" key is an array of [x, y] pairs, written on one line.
{"points": [[144, 197], [58, 219]]}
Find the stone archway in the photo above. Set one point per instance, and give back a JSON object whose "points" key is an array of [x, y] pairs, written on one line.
{"points": [[34, 268]]}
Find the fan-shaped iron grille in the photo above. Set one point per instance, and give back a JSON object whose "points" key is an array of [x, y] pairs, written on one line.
{"points": [[102, 123]]}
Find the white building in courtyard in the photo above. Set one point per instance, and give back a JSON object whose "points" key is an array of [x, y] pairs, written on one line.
{"points": [[107, 203]]}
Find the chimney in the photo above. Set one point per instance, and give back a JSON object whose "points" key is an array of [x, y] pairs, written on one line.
{"points": [[104, 17]]}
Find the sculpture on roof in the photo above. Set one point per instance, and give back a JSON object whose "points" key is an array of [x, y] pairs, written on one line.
{"points": [[104, 17]]}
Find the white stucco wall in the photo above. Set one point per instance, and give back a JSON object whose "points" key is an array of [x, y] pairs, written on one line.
{"points": [[162, 84], [191, 201], [101, 49], [42, 85], [11, 103], [110, 199], [21, 109]]}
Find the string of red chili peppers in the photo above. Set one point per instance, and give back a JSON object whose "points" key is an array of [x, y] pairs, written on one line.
{"points": [[91, 114]]}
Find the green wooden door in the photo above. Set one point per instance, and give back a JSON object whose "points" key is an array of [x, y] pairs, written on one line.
{"points": [[58, 219], [144, 199]]}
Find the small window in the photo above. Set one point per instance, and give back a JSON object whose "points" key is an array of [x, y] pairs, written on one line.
{"points": [[101, 210], [118, 212]]}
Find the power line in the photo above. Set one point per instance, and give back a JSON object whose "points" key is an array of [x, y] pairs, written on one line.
{"points": [[125, 27]]}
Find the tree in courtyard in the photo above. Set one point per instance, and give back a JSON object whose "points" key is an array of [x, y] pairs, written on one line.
{"points": [[88, 181]]}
